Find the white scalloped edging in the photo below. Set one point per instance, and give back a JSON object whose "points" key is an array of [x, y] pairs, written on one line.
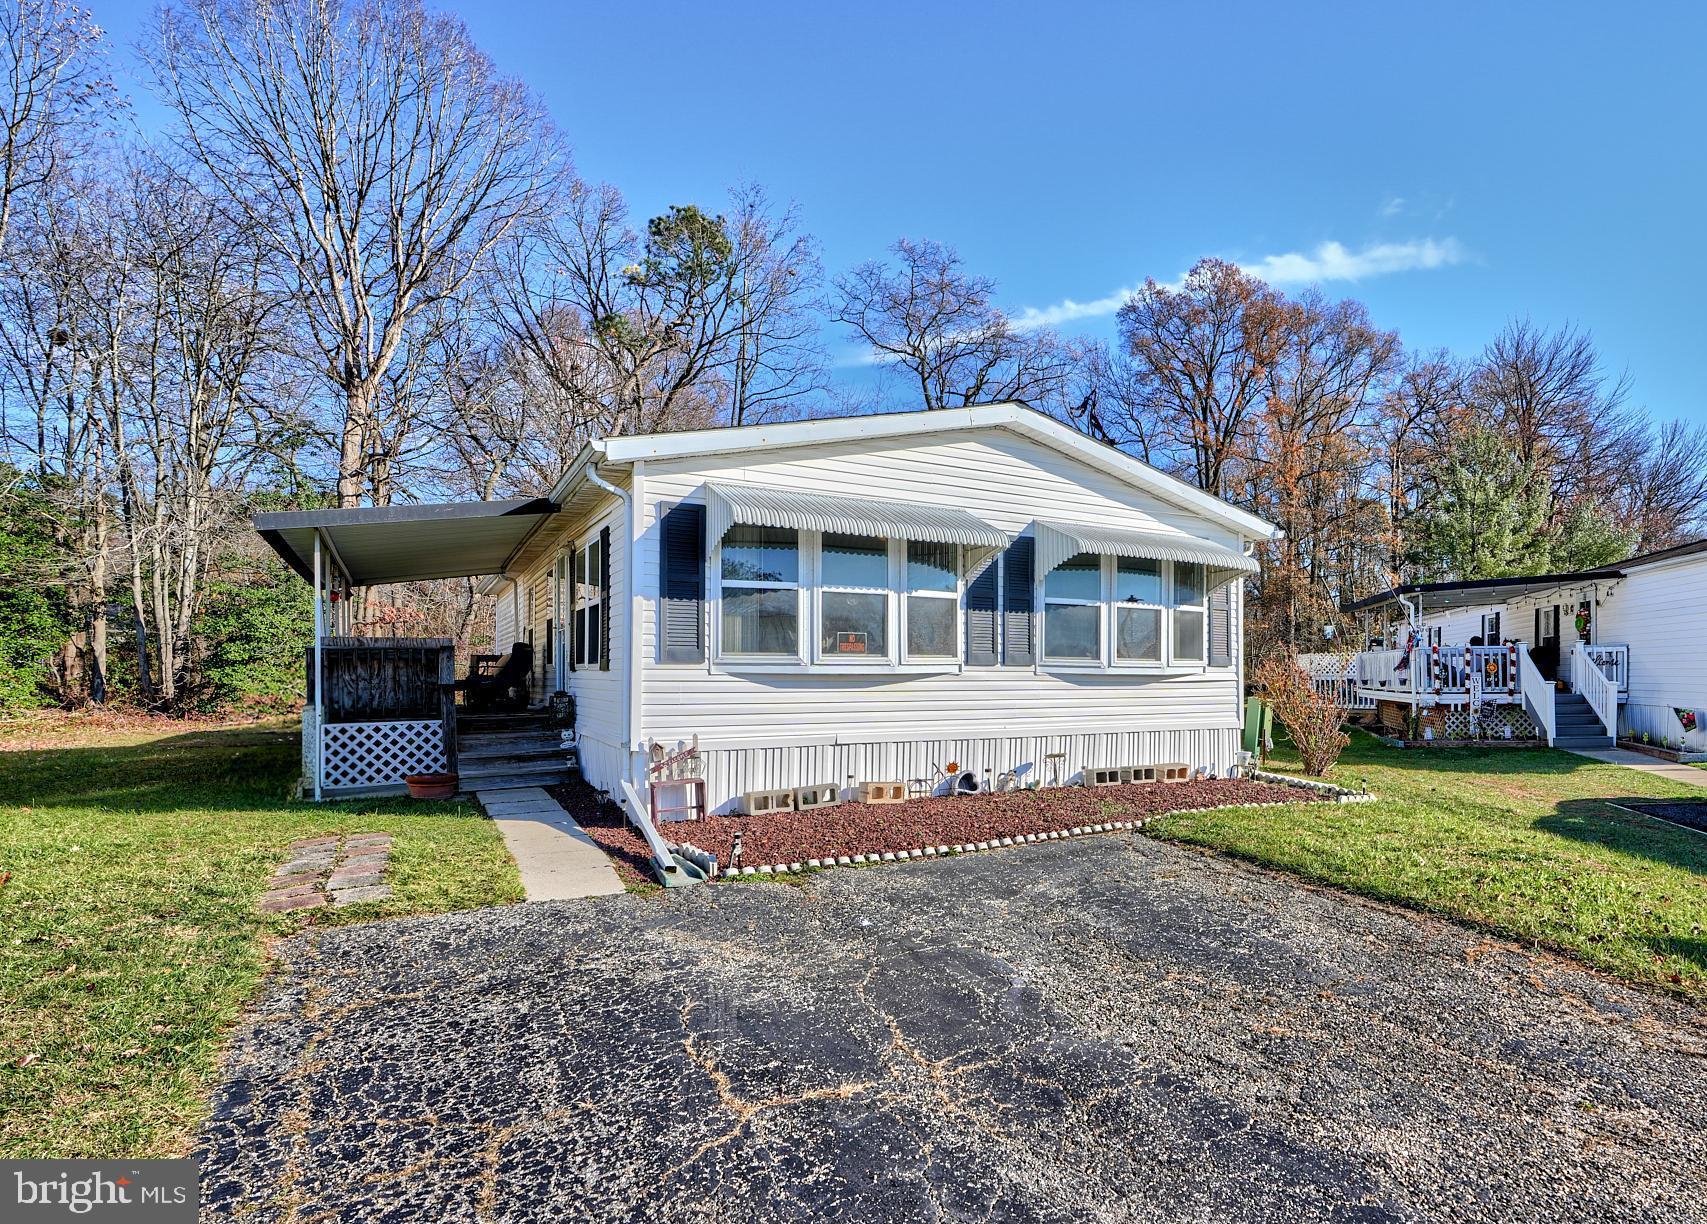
{"points": [[1338, 793]]}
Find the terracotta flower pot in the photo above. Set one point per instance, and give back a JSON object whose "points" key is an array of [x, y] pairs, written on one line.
{"points": [[431, 786]]}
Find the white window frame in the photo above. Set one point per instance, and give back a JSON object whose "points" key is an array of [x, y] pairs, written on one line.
{"points": [[1164, 575], [1100, 658], [586, 598], [906, 594], [800, 585], [1201, 608], [820, 588]]}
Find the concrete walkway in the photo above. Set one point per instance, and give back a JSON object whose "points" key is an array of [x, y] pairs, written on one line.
{"points": [[1687, 774], [558, 861]]}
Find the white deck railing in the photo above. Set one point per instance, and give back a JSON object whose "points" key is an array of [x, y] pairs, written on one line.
{"points": [[1596, 684], [1612, 660], [1492, 671], [1537, 695], [1336, 676]]}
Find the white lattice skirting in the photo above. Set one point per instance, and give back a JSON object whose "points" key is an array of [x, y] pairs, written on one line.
{"points": [[380, 753]]}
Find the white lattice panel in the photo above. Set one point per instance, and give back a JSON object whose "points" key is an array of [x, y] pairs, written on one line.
{"points": [[381, 753], [1491, 724]]}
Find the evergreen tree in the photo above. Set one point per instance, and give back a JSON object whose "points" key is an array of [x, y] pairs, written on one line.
{"points": [[1487, 512]]}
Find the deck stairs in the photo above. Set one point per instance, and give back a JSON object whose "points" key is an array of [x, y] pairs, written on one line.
{"points": [[503, 751], [1577, 725]]}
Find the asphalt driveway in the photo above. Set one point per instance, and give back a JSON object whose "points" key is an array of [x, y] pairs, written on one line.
{"points": [[1108, 1029]]}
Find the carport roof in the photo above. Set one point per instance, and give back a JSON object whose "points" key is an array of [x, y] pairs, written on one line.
{"points": [[380, 544], [1435, 596]]}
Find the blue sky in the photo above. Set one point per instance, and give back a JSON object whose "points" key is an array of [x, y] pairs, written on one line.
{"points": [[1468, 163]]}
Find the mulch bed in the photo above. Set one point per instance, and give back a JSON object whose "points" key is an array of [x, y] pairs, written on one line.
{"points": [[859, 828], [1691, 815]]}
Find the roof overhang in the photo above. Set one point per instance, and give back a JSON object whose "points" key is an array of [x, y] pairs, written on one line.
{"points": [[373, 545], [1012, 416], [1057, 542], [1443, 596]]}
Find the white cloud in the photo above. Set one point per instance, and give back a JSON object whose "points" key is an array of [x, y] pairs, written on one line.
{"points": [[1393, 207], [1331, 261]]}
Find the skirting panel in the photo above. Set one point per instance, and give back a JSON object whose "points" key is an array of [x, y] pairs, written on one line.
{"points": [[381, 753], [731, 773]]}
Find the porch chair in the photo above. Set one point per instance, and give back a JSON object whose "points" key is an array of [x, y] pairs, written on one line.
{"points": [[498, 682]]}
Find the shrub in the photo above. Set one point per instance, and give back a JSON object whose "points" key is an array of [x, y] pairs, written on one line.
{"points": [[1311, 716], [36, 616], [254, 629]]}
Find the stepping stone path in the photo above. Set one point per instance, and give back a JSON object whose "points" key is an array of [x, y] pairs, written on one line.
{"points": [[344, 870]]}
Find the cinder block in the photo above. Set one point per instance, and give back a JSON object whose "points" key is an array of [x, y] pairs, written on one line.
{"points": [[764, 803], [819, 795], [1174, 771], [882, 792], [1138, 773], [1102, 777]]}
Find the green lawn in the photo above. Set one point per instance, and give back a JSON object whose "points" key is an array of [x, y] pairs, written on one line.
{"points": [[129, 939], [1523, 843]]}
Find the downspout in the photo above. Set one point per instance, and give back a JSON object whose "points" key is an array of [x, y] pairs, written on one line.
{"points": [[630, 708], [668, 869]]}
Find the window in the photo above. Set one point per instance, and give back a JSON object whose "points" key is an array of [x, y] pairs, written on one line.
{"points": [[1189, 612], [853, 609], [584, 571], [1138, 610], [933, 599], [1072, 609], [761, 591]]}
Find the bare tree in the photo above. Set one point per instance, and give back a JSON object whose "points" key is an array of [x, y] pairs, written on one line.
{"points": [[925, 317], [1547, 394], [1202, 354], [702, 319], [51, 87], [376, 150], [1665, 500], [179, 331]]}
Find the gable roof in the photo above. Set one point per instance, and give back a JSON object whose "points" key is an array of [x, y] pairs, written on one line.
{"points": [[1011, 416]]}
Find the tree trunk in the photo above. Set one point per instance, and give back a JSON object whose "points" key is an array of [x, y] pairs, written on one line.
{"points": [[358, 404]]}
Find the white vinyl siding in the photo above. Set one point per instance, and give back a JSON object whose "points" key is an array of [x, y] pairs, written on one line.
{"points": [[1658, 611], [598, 693], [1005, 480]]}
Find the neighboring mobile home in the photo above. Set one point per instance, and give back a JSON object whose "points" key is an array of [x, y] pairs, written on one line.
{"points": [[862, 599], [1625, 640]]}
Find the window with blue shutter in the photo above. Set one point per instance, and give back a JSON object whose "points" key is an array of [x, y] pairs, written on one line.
{"points": [[604, 599], [1221, 626], [1018, 626], [981, 612], [681, 584]]}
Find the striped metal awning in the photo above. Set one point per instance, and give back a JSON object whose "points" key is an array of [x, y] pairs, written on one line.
{"points": [[756, 506], [1056, 542]]}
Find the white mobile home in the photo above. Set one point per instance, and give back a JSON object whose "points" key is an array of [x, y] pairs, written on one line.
{"points": [[865, 599], [1624, 640]]}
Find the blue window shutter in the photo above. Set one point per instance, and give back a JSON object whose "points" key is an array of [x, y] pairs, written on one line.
{"points": [[1018, 626], [981, 618], [1221, 626], [681, 584], [604, 599], [573, 634]]}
